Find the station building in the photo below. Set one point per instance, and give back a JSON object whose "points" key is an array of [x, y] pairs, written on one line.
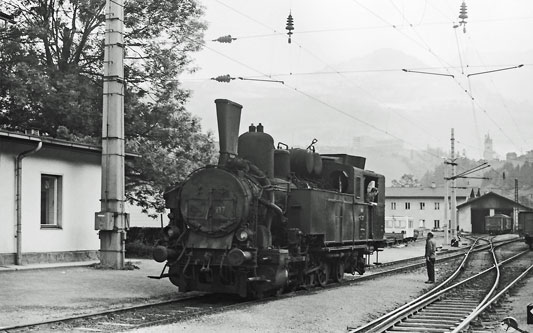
{"points": [[471, 214], [424, 204], [49, 193]]}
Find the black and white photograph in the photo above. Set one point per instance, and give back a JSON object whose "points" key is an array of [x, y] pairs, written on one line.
{"points": [[239, 166]]}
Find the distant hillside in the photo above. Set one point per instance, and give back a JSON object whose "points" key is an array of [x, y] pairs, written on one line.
{"points": [[500, 176], [390, 158]]}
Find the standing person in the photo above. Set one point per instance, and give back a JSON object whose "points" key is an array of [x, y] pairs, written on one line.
{"points": [[431, 248]]}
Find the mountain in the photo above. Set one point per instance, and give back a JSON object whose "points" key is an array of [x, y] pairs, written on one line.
{"points": [[367, 96]]}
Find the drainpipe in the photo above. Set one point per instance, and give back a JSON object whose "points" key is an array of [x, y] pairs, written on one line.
{"points": [[18, 197]]}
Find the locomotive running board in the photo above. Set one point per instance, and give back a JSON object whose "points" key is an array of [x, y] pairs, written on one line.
{"points": [[344, 247]]}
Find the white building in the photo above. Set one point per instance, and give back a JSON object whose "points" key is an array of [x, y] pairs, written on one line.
{"points": [[424, 204], [47, 207]]}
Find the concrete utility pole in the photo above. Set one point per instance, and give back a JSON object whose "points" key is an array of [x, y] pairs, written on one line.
{"points": [[454, 199], [515, 208], [446, 205], [112, 221]]}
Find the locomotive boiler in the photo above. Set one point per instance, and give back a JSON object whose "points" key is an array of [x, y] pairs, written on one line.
{"points": [[264, 220]]}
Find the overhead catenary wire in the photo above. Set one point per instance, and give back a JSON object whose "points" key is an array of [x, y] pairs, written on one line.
{"points": [[331, 72], [336, 72], [468, 92], [423, 44], [368, 93], [372, 70], [318, 100], [497, 91]]}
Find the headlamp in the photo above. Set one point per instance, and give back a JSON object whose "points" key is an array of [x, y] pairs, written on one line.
{"points": [[242, 235]]}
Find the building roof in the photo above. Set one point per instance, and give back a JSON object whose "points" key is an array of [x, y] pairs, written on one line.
{"points": [[493, 194], [423, 192], [7, 135]]}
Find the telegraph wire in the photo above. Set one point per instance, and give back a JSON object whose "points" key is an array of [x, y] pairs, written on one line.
{"points": [[376, 70], [472, 105], [377, 27], [423, 44], [335, 71], [459, 51], [318, 100], [416, 42], [468, 92], [498, 93]]}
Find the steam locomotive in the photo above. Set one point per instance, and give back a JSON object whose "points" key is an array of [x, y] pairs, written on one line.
{"points": [[265, 220]]}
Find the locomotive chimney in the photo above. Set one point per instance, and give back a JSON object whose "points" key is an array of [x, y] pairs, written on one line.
{"points": [[229, 118]]}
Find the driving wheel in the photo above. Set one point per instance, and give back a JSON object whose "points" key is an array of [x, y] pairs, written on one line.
{"points": [[323, 274]]}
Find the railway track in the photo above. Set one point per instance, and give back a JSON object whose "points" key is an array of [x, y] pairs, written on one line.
{"points": [[193, 305], [451, 306]]}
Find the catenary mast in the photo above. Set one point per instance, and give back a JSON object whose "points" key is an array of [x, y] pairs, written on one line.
{"points": [[112, 220]]}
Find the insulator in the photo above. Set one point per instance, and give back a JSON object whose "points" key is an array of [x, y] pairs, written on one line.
{"points": [[290, 23], [290, 26], [223, 78], [224, 39], [463, 12]]}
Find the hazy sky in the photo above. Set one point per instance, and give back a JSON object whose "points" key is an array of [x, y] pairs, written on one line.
{"points": [[343, 73]]}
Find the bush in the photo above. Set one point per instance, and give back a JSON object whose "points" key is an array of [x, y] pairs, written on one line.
{"points": [[140, 242]]}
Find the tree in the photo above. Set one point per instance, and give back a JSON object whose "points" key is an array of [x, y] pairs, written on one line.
{"points": [[51, 64], [406, 180]]}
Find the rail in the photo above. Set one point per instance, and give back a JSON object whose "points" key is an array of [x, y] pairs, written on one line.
{"points": [[399, 314]]}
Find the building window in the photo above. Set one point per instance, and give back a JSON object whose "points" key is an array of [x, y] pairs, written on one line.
{"points": [[393, 205], [422, 205], [437, 205], [407, 205], [436, 224], [51, 201]]}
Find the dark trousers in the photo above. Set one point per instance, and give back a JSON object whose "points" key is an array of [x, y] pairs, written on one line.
{"points": [[430, 264]]}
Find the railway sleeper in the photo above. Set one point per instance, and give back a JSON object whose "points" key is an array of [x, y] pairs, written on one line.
{"points": [[424, 325], [439, 315], [448, 311], [414, 329], [448, 306], [455, 301], [429, 321], [443, 316], [460, 300]]}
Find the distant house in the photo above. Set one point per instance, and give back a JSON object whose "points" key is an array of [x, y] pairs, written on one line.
{"points": [[424, 204], [471, 214], [49, 192]]}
